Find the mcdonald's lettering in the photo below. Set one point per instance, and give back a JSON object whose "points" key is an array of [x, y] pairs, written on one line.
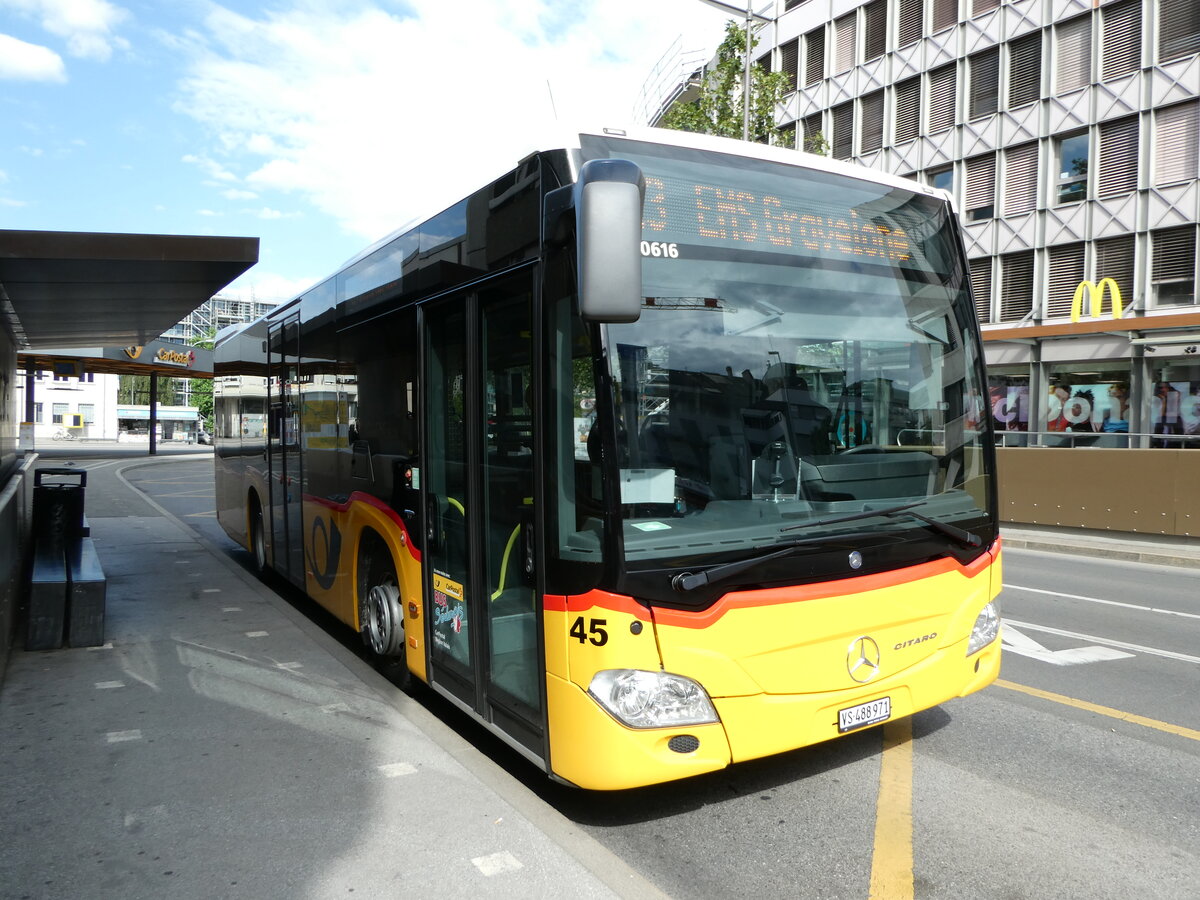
{"points": [[1095, 294]]}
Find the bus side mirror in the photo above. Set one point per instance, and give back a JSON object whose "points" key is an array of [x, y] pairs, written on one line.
{"points": [[608, 214]]}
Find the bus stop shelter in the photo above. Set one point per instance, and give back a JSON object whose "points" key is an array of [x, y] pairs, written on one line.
{"points": [[94, 302]]}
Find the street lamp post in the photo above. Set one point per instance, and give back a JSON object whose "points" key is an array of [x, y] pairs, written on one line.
{"points": [[751, 18]]}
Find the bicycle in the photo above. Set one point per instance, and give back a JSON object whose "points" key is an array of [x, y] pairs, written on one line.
{"points": [[64, 434]]}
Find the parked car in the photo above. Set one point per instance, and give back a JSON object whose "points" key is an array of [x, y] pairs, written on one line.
{"points": [[203, 437]]}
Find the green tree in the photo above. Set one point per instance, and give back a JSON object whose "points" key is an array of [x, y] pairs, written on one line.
{"points": [[201, 389], [718, 110], [135, 389]]}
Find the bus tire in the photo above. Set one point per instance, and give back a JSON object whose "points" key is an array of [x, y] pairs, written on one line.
{"points": [[258, 539], [381, 612]]}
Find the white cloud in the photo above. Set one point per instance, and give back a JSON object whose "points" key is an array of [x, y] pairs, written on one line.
{"points": [[21, 61], [87, 26], [239, 194], [12, 204], [376, 117], [207, 212], [210, 167]]}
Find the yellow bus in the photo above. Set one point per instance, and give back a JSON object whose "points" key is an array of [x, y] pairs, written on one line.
{"points": [[658, 453]]}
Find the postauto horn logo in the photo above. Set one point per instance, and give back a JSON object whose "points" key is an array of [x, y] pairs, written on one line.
{"points": [[1095, 294]]}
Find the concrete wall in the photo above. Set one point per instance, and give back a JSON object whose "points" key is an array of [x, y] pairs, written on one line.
{"points": [[1145, 491]]}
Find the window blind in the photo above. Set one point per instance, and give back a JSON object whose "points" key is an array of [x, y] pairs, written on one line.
{"points": [[941, 98], [1020, 179], [908, 110], [1175, 143], [945, 14], [1174, 254], [1178, 29], [981, 287], [981, 187], [1118, 157], [982, 6], [985, 82], [1074, 53], [1114, 259], [814, 56], [789, 60], [911, 15], [1025, 70], [872, 123], [874, 30], [843, 130], [1122, 45], [1016, 286], [1066, 271], [844, 32]]}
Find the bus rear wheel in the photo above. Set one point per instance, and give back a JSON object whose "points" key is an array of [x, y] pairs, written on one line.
{"points": [[258, 541]]}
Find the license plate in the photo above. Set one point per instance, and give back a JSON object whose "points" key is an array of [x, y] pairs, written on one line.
{"points": [[864, 714]]}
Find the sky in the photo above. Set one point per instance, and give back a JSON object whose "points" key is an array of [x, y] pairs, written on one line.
{"points": [[318, 126]]}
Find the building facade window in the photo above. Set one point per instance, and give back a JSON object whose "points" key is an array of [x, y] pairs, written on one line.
{"points": [[908, 110], [814, 57], [814, 137], [1025, 70], [789, 61], [911, 25], [37, 412], [1113, 258], [1175, 137], [1021, 179], [984, 72], [875, 29], [88, 411], [941, 98], [58, 413], [981, 187], [1178, 29], [1065, 273], [945, 14], [1016, 286], [1073, 49], [1173, 266], [845, 32], [843, 130], [872, 123], [981, 287], [1121, 47], [942, 178], [1118, 166], [1008, 392], [979, 7], [1072, 157]]}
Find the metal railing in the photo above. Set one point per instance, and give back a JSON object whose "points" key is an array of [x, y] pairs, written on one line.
{"points": [[1101, 439]]}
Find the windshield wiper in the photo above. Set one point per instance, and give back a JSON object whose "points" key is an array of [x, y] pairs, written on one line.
{"points": [[689, 581], [968, 538]]}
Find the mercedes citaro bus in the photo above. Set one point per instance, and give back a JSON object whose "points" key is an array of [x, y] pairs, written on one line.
{"points": [[658, 453]]}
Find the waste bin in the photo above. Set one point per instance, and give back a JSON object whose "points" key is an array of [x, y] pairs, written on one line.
{"points": [[57, 526]]}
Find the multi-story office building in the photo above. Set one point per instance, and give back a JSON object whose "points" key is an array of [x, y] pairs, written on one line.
{"points": [[213, 315], [1068, 133]]}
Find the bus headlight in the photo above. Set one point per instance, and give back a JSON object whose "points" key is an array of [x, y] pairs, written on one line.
{"points": [[986, 629], [642, 699]]}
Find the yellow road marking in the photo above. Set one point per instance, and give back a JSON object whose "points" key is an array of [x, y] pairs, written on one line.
{"points": [[1102, 710], [892, 858]]}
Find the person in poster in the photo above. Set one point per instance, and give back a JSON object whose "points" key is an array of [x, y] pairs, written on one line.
{"points": [[1116, 417], [1056, 419]]}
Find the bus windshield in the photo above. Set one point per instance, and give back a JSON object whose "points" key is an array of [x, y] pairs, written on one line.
{"points": [[805, 353]]}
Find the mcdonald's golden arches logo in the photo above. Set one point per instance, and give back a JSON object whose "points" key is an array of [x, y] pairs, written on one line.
{"points": [[1095, 294]]}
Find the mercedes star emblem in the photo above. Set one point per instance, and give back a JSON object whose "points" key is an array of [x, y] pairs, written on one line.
{"points": [[862, 659]]}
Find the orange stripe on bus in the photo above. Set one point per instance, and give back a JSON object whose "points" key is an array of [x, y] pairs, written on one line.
{"points": [[771, 596]]}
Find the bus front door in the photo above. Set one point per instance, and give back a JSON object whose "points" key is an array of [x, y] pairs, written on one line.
{"points": [[484, 624], [283, 449]]}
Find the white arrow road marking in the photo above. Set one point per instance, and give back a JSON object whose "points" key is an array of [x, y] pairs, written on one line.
{"points": [[1136, 648], [1026, 646]]}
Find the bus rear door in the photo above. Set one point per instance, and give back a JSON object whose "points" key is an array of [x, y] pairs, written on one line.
{"points": [[283, 448]]}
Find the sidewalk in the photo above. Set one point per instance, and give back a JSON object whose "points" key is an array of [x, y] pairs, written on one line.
{"points": [[1161, 550], [221, 745]]}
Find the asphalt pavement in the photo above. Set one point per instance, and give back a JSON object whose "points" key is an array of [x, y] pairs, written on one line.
{"points": [[219, 744]]}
